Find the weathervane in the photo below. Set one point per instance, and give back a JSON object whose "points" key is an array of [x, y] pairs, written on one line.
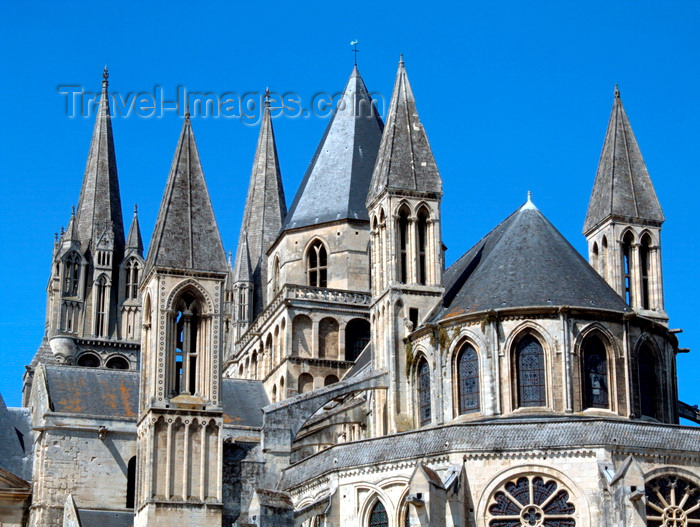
{"points": [[354, 50]]}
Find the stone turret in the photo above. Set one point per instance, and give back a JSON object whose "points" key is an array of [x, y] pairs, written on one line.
{"points": [[624, 218]]}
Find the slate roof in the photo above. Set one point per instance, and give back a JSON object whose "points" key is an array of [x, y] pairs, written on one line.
{"points": [[186, 235], [405, 160], [265, 209], [523, 262], [99, 205], [16, 441], [496, 438], [114, 393], [243, 402], [93, 518], [622, 186], [336, 183], [93, 391]]}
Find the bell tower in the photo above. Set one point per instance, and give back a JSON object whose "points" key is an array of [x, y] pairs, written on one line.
{"points": [[623, 223], [406, 244], [179, 434]]}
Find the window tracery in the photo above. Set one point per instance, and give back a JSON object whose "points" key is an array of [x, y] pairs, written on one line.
{"points": [[595, 373], [317, 265], [468, 380], [531, 377], [531, 501], [672, 502], [424, 410]]}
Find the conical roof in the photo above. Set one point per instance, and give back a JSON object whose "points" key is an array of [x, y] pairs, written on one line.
{"points": [[186, 235], [100, 205], [264, 212], [524, 262], [242, 271], [405, 160], [335, 184], [622, 187], [133, 240]]}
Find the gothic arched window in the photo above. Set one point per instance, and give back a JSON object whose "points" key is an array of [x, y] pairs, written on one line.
{"points": [[595, 373], [672, 501], [378, 516], [101, 306], [187, 326], [403, 244], [532, 390], [648, 382], [604, 258], [468, 380], [424, 409], [627, 243], [317, 265], [422, 231], [276, 276], [71, 276], [132, 279], [530, 500]]}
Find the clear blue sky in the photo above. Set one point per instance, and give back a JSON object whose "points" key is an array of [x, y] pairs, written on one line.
{"points": [[515, 96]]}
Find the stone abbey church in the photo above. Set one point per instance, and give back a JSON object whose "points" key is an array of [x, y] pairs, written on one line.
{"points": [[334, 373]]}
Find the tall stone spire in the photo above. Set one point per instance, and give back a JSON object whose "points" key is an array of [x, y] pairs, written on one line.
{"points": [[265, 209], [134, 241], [622, 187], [100, 207], [186, 235], [405, 160], [336, 182]]}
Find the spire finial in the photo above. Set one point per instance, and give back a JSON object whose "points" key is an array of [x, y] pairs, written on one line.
{"points": [[72, 210], [401, 59], [136, 208], [267, 97], [617, 91], [529, 196], [354, 49], [105, 77], [187, 112]]}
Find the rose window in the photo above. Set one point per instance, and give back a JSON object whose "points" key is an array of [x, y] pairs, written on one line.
{"points": [[531, 502], [672, 502]]}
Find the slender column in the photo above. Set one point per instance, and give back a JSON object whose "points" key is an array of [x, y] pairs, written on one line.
{"points": [[412, 251], [220, 460], [314, 338]]}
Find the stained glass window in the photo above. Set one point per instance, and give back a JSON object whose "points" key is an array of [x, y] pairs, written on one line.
{"points": [[530, 366], [468, 380], [595, 373], [531, 502], [424, 392], [672, 502], [378, 517]]}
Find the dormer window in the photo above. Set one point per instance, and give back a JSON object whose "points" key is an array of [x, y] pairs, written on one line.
{"points": [[317, 265]]}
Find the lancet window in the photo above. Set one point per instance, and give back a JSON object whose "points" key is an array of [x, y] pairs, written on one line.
{"points": [[186, 353], [595, 373], [317, 265], [468, 380], [530, 373]]}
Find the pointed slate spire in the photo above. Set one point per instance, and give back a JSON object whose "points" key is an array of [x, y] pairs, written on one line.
{"points": [[335, 184], [100, 205], [265, 209], [242, 270], [133, 241], [622, 188], [405, 160], [186, 235]]}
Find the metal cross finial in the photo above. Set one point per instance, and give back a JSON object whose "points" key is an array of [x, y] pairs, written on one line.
{"points": [[355, 50], [267, 97], [617, 92], [105, 76], [136, 208], [187, 112]]}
